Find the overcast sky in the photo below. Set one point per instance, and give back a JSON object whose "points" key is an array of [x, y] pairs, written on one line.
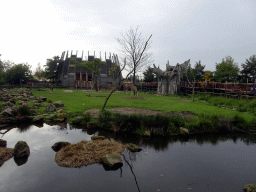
{"points": [[206, 30]]}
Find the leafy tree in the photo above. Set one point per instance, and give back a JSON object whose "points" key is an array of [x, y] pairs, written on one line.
{"points": [[2, 76], [18, 72], [199, 71], [93, 67], [190, 74], [249, 69], [5, 65], [149, 76], [39, 71], [227, 70], [51, 68], [112, 72], [135, 48]]}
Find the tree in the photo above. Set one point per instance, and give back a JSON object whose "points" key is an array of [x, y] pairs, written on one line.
{"points": [[93, 67], [149, 76], [191, 78], [39, 71], [199, 71], [51, 68], [114, 89], [249, 69], [227, 70], [135, 48], [5, 65], [18, 72]]}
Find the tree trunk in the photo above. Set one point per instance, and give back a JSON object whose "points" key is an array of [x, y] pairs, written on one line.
{"points": [[134, 80], [193, 90]]}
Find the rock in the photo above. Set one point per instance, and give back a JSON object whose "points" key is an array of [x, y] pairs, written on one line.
{"points": [[60, 111], [61, 116], [37, 105], [57, 146], [20, 102], [112, 160], [8, 103], [20, 161], [3, 143], [12, 101], [58, 104], [250, 188], [133, 147], [38, 118], [50, 108], [97, 138], [19, 98], [184, 131], [32, 97], [21, 149], [43, 98], [9, 112], [15, 108], [5, 154]]}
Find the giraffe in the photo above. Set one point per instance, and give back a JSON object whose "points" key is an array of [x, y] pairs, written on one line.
{"points": [[130, 86], [50, 87]]}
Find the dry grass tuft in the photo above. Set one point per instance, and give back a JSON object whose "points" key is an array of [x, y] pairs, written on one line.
{"points": [[87, 152]]}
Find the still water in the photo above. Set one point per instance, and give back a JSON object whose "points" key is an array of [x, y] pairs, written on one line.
{"points": [[203, 162]]}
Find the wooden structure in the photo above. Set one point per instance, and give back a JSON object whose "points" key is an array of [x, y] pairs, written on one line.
{"points": [[77, 77]]}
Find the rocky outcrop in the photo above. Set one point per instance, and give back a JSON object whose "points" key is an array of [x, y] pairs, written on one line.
{"points": [[57, 146], [5, 154], [37, 105], [183, 131], [21, 149], [112, 160], [9, 112], [133, 147], [43, 98], [58, 104], [38, 118], [61, 116], [50, 108], [3, 143]]}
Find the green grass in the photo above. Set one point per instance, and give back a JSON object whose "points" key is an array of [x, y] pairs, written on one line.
{"points": [[77, 102]]}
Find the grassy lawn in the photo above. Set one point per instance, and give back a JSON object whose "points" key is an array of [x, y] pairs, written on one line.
{"points": [[78, 101]]}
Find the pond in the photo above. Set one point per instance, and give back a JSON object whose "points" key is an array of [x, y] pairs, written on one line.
{"points": [[202, 162]]}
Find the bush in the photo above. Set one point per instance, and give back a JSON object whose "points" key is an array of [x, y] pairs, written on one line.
{"points": [[104, 120], [24, 111], [239, 122], [87, 117], [242, 109], [1, 108]]}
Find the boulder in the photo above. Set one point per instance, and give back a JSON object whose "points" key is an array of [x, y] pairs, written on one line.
{"points": [[37, 105], [50, 108], [38, 118], [9, 112], [5, 154], [32, 97], [15, 108], [8, 103], [12, 101], [21, 149], [58, 104], [133, 147], [61, 116], [60, 111], [112, 160], [97, 138], [57, 146], [3, 143], [43, 98], [184, 131]]}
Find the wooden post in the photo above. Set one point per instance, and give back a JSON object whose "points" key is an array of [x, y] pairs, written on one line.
{"points": [[226, 88], [80, 79]]}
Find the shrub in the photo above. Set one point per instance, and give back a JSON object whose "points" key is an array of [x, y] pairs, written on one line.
{"points": [[104, 120], [242, 109], [1, 108], [239, 122], [87, 117], [24, 111]]}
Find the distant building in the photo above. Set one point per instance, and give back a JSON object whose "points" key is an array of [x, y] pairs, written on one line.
{"points": [[77, 77]]}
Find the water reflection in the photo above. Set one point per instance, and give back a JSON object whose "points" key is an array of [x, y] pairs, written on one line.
{"points": [[198, 162]]}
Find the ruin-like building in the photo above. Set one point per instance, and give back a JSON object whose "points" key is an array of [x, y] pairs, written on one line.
{"points": [[169, 80], [72, 76]]}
